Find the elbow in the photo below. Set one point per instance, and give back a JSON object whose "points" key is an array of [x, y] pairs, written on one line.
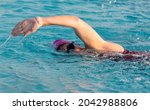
{"points": [[76, 20], [109, 46]]}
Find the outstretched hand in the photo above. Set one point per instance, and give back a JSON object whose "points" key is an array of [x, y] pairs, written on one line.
{"points": [[26, 27]]}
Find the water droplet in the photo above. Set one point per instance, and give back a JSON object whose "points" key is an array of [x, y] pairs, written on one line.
{"points": [[115, 1], [102, 5], [138, 79]]}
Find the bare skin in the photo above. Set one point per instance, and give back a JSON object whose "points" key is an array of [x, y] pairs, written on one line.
{"points": [[91, 39]]}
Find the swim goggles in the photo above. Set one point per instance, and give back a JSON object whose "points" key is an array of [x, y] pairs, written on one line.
{"points": [[70, 47]]}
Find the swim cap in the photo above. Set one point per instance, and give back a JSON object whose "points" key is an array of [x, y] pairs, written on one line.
{"points": [[59, 42]]}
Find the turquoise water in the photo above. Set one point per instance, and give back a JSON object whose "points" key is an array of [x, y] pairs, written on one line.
{"points": [[32, 65]]}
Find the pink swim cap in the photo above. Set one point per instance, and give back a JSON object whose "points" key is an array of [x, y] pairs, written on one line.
{"points": [[59, 42]]}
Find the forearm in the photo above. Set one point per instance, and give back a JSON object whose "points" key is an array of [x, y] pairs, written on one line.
{"points": [[68, 21]]}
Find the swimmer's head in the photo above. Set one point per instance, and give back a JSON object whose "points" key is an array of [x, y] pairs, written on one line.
{"points": [[65, 45]]}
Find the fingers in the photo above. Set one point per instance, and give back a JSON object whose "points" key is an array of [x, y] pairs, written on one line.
{"points": [[25, 27], [27, 33], [17, 29], [18, 25], [20, 29]]}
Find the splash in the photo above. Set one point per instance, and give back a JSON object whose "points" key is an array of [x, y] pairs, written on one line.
{"points": [[5, 42], [8, 38], [21, 40]]}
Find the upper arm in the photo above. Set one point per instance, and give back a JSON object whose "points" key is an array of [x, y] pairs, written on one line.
{"points": [[88, 35], [93, 40]]}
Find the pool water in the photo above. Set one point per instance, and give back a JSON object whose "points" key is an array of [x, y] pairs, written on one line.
{"points": [[32, 65]]}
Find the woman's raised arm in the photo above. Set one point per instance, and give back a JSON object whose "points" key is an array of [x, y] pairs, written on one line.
{"points": [[83, 30]]}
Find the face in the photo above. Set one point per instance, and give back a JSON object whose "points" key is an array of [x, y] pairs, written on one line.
{"points": [[63, 48], [69, 47]]}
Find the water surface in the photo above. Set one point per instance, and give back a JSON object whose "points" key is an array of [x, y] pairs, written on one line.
{"points": [[33, 66]]}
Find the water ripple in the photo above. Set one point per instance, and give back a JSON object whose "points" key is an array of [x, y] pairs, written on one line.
{"points": [[34, 66]]}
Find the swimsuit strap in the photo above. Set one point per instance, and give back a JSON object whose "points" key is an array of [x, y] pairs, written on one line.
{"points": [[132, 55], [133, 52]]}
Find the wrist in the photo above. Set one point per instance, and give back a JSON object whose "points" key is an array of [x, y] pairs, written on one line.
{"points": [[39, 21]]}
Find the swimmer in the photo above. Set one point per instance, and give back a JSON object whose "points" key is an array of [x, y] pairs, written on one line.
{"points": [[90, 38]]}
